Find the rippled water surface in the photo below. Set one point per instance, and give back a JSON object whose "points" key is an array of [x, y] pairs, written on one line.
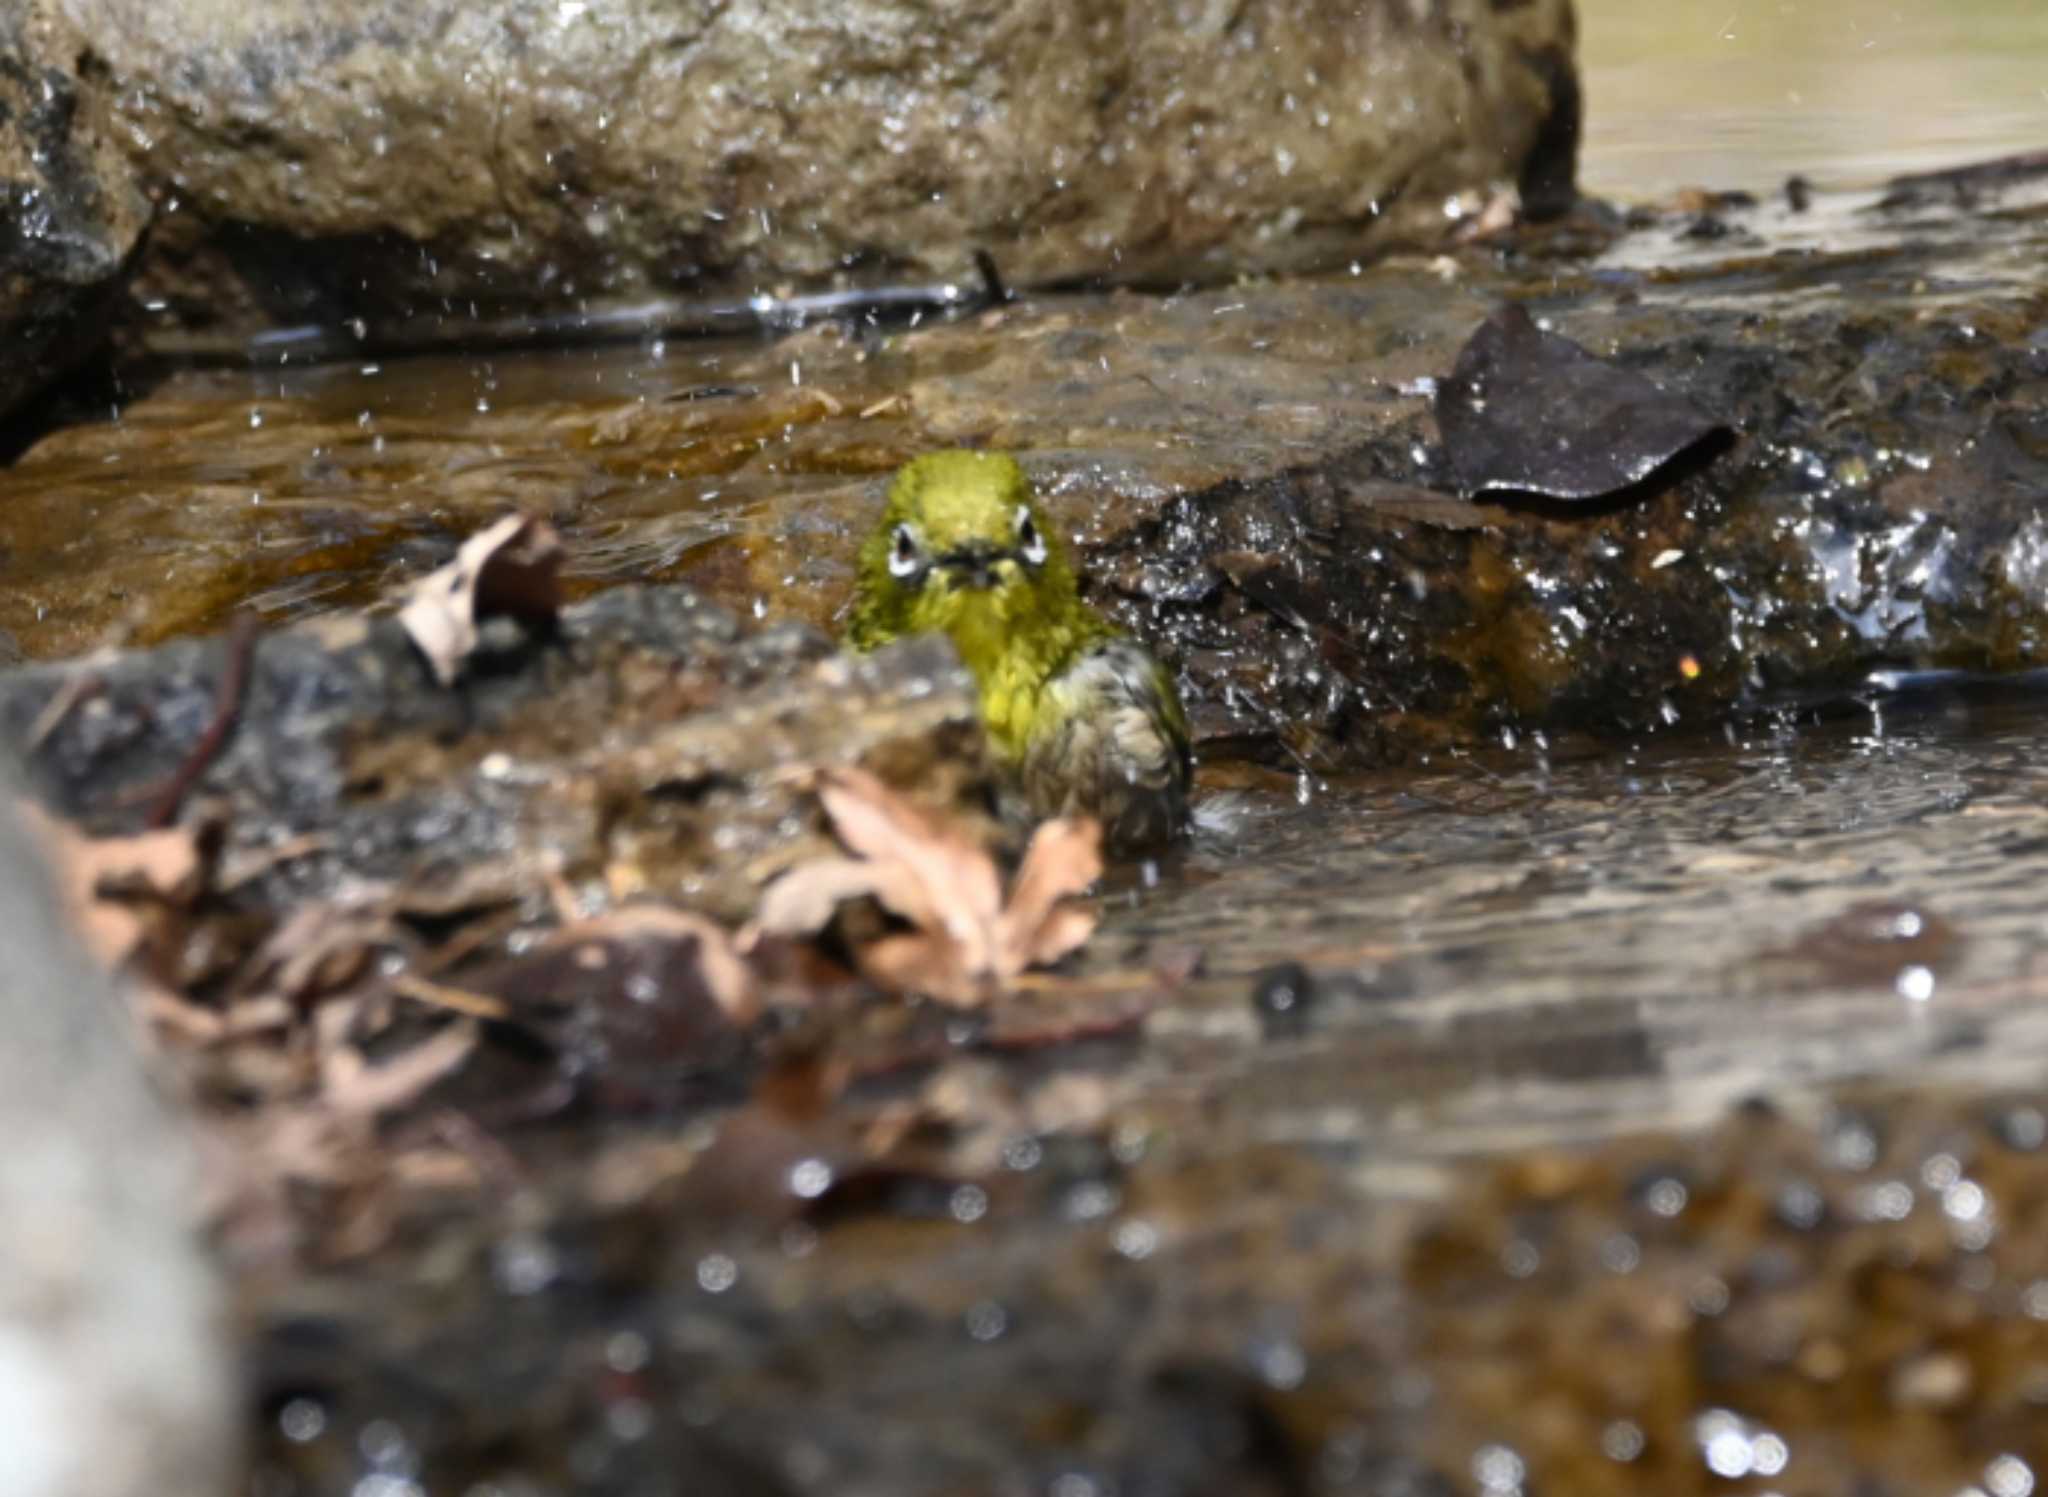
{"points": [[1524, 946]]}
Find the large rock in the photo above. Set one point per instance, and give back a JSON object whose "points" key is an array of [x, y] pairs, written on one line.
{"points": [[378, 157], [70, 214]]}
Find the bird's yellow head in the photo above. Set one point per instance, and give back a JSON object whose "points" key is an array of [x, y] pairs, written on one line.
{"points": [[961, 550]]}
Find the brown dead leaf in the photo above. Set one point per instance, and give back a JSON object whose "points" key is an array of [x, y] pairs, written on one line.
{"points": [[966, 940], [805, 900], [510, 568], [950, 875], [1064, 858], [108, 883]]}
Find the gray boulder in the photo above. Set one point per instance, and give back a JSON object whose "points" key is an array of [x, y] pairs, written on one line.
{"points": [[329, 159]]}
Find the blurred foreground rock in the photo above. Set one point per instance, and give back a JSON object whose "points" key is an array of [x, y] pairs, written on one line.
{"points": [[642, 749], [116, 1371]]}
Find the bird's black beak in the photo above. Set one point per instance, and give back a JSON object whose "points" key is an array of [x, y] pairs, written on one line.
{"points": [[975, 566]]}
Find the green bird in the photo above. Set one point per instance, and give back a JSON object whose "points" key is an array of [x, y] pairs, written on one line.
{"points": [[1079, 714]]}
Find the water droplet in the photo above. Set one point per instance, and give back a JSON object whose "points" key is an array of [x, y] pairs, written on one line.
{"points": [[987, 1320], [1024, 1153], [2022, 1128], [1964, 1201], [810, 1178], [1136, 1240], [1281, 1364], [1519, 1258], [302, 1420], [1090, 1201], [383, 1445], [716, 1273], [1282, 997], [1666, 1196], [1621, 1441], [2009, 1476], [1621, 1254], [524, 1264], [627, 1352], [1498, 1469]]}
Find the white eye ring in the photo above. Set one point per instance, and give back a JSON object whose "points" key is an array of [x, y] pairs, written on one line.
{"points": [[904, 560], [1031, 544]]}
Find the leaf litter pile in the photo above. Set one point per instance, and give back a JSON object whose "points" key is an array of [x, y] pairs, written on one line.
{"points": [[361, 1055]]}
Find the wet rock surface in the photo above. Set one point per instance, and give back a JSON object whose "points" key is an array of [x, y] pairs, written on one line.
{"points": [[400, 162], [71, 213], [634, 750], [1254, 476]]}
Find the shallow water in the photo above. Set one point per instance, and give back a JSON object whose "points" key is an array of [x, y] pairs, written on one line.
{"points": [[1521, 948], [1743, 93]]}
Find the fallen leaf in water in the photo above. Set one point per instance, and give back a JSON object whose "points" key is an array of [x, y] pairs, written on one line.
{"points": [[1530, 412], [509, 569], [965, 940]]}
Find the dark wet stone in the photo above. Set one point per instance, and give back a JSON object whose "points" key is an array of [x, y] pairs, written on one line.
{"points": [[1964, 185], [1530, 412], [70, 210], [1283, 997], [629, 1012]]}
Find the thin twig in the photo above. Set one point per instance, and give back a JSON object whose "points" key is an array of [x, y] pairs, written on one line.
{"points": [[79, 688], [439, 995], [227, 708]]}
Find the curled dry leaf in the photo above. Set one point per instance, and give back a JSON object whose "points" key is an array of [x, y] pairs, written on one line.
{"points": [[965, 939], [510, 568]]}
